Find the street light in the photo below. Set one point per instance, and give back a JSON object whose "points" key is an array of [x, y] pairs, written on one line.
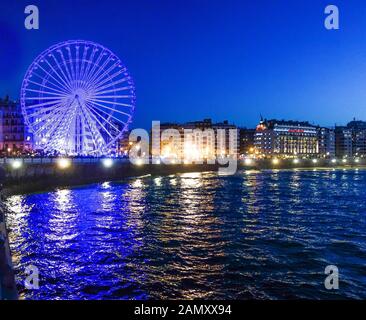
{"points": [[63, 163], [16, 164], [107, 163], [248, 161]]}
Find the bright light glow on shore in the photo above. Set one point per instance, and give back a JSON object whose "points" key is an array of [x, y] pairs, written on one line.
{"points": [[334, 160], [296, 161], [357, 160], [248, 161], [139, 162], [315, 160], [344, 160], [63, 163], [107, 163], [16, 164], [275, 161]]}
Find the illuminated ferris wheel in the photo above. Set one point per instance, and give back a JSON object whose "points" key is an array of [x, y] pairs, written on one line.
{"points": [[78, 99]]}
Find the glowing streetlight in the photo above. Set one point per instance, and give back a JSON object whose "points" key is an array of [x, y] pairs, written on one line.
{"points": [[357, 160], [248, 161], [16, 164], [275, 161], [334, 160], [344, 160], [63, 163], [107, 163], [315, 160], [296, 161]]}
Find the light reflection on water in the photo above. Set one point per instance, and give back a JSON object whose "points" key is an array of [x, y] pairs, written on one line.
{"points": [[258, 234]]}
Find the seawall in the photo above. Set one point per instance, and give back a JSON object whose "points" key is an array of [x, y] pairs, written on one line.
{"points": [[34, 175]]}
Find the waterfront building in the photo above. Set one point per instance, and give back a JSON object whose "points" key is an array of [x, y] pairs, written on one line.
{"points": [[124, 144], [343, 142], [15, 138], [358, 129], [326, 139], [286, 138], [196, 140], [246, 141]]}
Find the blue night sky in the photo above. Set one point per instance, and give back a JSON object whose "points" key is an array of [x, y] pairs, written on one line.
{"points": [[224, 59]]}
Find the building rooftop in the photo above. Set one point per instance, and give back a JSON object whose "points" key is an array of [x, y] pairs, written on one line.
{"points": [[270, 124]]}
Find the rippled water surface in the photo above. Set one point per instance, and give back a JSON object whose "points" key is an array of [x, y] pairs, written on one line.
{"points": [[267, 234]]}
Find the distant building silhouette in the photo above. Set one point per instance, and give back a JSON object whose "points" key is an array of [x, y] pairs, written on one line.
{"points": [[14, 136]]}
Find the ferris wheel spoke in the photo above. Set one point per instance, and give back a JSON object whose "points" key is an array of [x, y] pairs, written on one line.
{"points": [[46, 92], [105, 75], [68, 66], [101, 72], [112, 97], [63, 67], [77, 65], [110, 78], [100, 113], [112, 84], [63, 80], [92, 66], [64, 64], [60, 84], [85, 51], [41, 104], [98, 138], [73, 72], [61, 130], [40, 85], [102, 126], [41, 111], [60, 73], [43, 98], [109, 115], [56, 84], [115, 103], [109, 108], [57, 117], [93, 82], [88, 62], [92, 75], [113, 90], [56, 123]]}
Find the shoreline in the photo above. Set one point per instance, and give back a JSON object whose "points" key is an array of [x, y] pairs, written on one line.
{"points": [[87, 174]]}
